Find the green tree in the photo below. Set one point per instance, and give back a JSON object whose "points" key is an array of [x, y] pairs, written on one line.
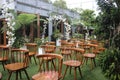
{"points": [[109, 20], [23, 20], [60, 3], [87, 17]]}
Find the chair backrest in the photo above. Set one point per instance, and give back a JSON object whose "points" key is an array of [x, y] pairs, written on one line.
{"points": [[4, 52], [65, 49], [49, 48], [50, 43], [20, 56], [69, 44], [58, 60], [32, 47], [78, 54]]}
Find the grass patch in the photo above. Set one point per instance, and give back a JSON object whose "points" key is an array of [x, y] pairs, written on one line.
{"points": [[88, 74]]}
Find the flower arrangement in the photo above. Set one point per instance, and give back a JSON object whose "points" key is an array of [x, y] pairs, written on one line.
{"points": [[68, 30], [9, 18]]}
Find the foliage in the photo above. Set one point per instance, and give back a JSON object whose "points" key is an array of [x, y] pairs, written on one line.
{"points": [[68, 19], [108, 19], [56, 34], [87, 17], [77, 35], [19, 42], [24, 19], [40, 41], [110, 63], [78, 10], [60, 3], [116, 41]]}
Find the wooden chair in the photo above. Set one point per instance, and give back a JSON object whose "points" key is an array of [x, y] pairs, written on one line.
{"points": [[49, 48], [90, 55], [101, 47], [4, 54], [49, 73], [18, 62], [75, 62], [50, 43], [66, 51], [32, 47]]}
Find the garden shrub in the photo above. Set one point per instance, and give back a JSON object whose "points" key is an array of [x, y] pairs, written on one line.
{"points": [[109, 61]]}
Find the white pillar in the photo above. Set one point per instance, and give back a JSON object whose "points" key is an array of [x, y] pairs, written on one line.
{"points": [[50, 29]]}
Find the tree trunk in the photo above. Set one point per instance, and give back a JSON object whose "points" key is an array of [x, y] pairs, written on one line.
{"points": [[31, 32], [38, 25], [24, 31]]}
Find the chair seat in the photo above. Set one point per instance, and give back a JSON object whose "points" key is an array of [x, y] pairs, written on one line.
{"points": [[72, 63], [48, 58], [3, 59], [31, 53], [48, 75], [15, 66], [101, 49], [89, 55], [49, 51]]}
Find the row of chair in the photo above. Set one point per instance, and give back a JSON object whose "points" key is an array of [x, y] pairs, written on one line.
{"points": [[73, 58]]}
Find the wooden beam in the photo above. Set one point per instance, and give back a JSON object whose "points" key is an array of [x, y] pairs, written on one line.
{"points": [[38, 25], [5, 40]]}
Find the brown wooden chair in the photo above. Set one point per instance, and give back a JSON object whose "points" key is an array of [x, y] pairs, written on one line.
{"points": [[48, 72], [50, 43], [4, 54], [18, 63], [66, 51], [101, 47], [90, 54], [32, 47], [75, 62], [49, 48]]}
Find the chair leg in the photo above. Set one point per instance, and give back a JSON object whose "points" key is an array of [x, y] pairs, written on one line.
{"points": [[10, 73], [65, 71], [86, 60], [70, 69], [16, 75], [80, 71], [54, 65], [26, 74], [40, 65], [91, 63], [35, 60], [3, 66], [47, 65], [70, 56], [75, 73], [30, 59], [94, 62], [20, 75]]}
